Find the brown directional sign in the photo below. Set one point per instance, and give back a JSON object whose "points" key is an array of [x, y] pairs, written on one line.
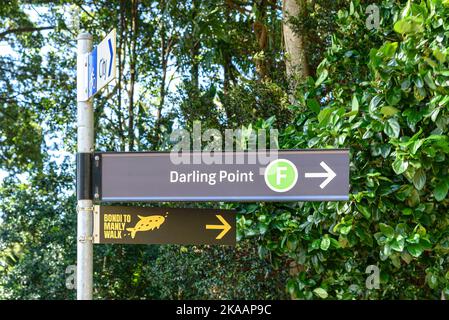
{"points": [[136, 225], [295, 175]]}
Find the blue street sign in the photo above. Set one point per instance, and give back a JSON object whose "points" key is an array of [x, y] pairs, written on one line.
{"points": [[92, 73], [101, 64]]}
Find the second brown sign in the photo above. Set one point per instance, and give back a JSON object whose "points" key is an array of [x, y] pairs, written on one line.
{"points": [[136, 225]]}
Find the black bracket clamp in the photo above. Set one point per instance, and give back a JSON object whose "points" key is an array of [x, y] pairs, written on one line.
{"points": [[83, 176], [88, 176]]}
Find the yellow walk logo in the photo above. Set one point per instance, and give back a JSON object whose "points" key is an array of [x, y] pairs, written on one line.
{"points": [[147, 224]]}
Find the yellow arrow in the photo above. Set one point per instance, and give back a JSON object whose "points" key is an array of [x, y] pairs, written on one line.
{"points": [[225, 226]]}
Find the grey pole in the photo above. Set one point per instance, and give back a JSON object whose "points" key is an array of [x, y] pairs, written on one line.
{"points": [[84, 271]]}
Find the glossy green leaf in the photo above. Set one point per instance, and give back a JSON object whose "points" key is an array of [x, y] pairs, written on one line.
{"points": [[415, 250], [409, 25], [399, 166], [325, 243], [393, 96], [387, 230], [320, 292], [314, 105], [388, 111], [439, 55], [322, 77], [441, 190], [419, 179], [392, 128]]}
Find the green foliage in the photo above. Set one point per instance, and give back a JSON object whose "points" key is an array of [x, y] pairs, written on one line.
{"points": [[194, 39], [37, 242], [21, 135], [383, 95], [203, 272], [256, 100]]}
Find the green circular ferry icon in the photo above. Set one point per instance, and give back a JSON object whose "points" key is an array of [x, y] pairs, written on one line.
{"points": [[281, 175]]}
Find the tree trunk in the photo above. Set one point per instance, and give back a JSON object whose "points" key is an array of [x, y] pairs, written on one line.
{"points": [[261, 32], [194, 50], [297, 65], [227, 57], [120, 51], [165, 52], [164, 61], [133, 72]]}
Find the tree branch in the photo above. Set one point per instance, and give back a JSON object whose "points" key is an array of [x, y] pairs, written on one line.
{"points": [[25, 29]]}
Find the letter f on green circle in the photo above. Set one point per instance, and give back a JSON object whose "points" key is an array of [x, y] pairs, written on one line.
{"points": [[281, 175]]}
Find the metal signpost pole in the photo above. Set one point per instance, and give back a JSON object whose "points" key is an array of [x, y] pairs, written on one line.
{"points": [[84, 272]]}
